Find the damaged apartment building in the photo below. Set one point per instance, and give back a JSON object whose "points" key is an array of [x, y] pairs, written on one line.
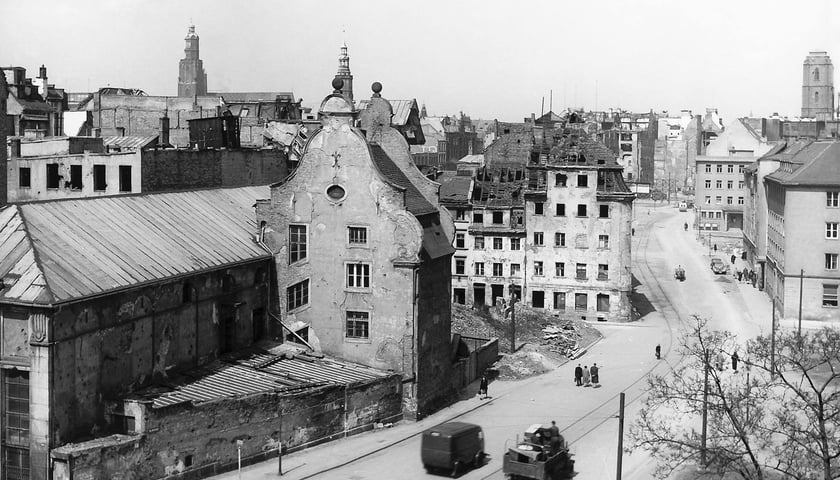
{"points": [[154, 333], [548, 220]]}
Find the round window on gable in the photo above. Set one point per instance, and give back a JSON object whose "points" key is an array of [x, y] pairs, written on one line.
{"points": [[336, 193]]}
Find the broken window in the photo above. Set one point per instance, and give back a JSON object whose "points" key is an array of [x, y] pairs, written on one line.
{"points": [[583, 180], [581, 302], [604, 211], [517, 217], [498, 218], [538, 208], [358, 275], [603, 302], [560, 180], [580, 271], [559, 300], [24, 177], [603, 271], [99, 178], [75, 177], [560, 209], [538, 269], [124, 424], [358, 325], [479, 243], [52, 175], [459, 296], [478, 217], [603, 241], [538, 299], [479, 268], [559, 269], [515, 269], [581, 210], [125, 178], [297, 243], [297, 295]]}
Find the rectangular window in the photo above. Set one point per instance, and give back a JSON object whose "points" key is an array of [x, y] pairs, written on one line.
{"points": [[52, 175], [538, 269], [24, 177], [478, 217], [603, 211], [832, 199], [602, 302], [538, 299], [125, 178], [831, 261], [297, 243], [538, 238], [603, 271], [559, 300], [99, 178], [708, 199], [718, 184], [559, 269], [729, 200], [708, 168], [538, 208], [719, 168], [560, 180], [16, 408], [831, 230], [829, 295], [583, 180], [358, 325], [75, 177], [497, 269], [581, 210], [497, 243], [515, 244], [460, 240], [460, 266], [603, 241], [708, 184], [730, 168], [559, 239], [479, 243], [15, 463], [729, 184], [257, 324], [358, 275], [580, 271], [498, 218], [581, 301], [357, 235], [740, 200], [460, 214], [718, 200], [459, 296], [479, 268], [560, 209], [297, 295], [741, 185], [515, 268]]}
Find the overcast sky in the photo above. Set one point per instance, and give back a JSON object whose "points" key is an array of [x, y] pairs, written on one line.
{"points": [[489, 59]]}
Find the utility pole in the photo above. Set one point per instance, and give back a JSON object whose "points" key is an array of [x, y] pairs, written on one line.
{"points": [[773, 339], [513, 300], [280, 447], [801, 280], [620, 436], [705, 408]]}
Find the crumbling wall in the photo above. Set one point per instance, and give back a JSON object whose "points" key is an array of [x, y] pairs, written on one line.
{"points": [[164, 170], [189, 441]]}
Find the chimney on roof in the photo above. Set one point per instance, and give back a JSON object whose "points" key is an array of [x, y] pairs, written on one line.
{"points": [[163, 140]]}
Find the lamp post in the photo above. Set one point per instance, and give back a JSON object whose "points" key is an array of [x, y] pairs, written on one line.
{"points": [[513, 300]]}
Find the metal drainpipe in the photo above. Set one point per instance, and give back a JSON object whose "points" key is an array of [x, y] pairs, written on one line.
{"points": [[414, 328]]}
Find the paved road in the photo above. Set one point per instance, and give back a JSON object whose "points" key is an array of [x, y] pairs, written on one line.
{"points": [[587, 416]]}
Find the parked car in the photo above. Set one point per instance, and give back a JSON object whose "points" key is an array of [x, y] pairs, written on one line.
{"points": [[718, 265], [450, 447]]}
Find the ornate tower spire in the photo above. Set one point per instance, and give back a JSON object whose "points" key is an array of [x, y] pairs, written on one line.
{"points": [[344, 72], [192, 80]]}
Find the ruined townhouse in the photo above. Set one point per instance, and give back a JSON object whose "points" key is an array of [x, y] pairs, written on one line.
{"points": [[363, 251], [549, 223]]}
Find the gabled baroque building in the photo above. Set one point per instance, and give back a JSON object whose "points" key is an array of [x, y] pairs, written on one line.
{"points": [[555, 231], [363, 250]]}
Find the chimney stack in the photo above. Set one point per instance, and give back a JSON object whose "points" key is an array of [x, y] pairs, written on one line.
{"points": [[163, 141]]}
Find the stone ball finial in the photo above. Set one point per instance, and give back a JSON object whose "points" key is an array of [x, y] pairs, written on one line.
{"points": [[377, 88], [337, 84]]}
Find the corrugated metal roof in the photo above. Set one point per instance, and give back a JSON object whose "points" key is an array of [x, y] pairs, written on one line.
{"points": [[256, 371], [76, 248], [130, 141]]}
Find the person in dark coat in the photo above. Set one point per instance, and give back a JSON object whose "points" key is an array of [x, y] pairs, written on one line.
{"points": [[735, 361], [593, 371], [658, 351], [732, 259], [554, 434], [482, 387], [578, 375]]}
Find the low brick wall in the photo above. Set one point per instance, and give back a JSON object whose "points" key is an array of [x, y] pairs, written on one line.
{"points": [[189, 441]]}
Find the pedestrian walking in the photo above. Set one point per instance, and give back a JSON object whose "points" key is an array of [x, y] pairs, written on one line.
{"points": [[732, 259], [715, 247], [578, 375], [658, 351], [587, 378], [593, 370], [740, 274], [735, 361], [482, 388]]}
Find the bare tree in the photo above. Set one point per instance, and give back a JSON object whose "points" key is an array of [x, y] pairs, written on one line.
{"points": [[670, 424], [803, 415]]}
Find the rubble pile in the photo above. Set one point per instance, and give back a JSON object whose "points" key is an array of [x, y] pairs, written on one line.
{"points": [[563, 339]]}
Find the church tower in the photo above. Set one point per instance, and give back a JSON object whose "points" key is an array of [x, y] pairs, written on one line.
{"points": [[192, 80], [344, 73], [818, 86]]}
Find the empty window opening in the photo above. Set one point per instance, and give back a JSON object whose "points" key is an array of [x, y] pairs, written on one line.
{"points": [[125, 178], [99, 178], [75, 177], [24, 177], [52, 175]]}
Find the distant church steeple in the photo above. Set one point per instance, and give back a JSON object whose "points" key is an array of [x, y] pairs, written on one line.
{"points": [[192, 80], [818, 86], [344, 72]]}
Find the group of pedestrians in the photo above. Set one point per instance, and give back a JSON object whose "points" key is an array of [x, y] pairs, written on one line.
{"points": [[587, 376]]}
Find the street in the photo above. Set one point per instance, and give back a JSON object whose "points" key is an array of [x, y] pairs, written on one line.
{"points": [[586, 416]]}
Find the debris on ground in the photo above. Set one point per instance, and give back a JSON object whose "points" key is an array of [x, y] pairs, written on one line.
{"points": [[544, 338]]}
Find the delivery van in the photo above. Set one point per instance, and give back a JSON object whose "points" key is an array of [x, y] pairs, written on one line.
{"points": [[450, 447]]}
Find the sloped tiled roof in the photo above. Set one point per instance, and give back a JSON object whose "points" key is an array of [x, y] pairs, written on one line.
{"points": [[59, 251], [415, 202], [817, 164]]}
